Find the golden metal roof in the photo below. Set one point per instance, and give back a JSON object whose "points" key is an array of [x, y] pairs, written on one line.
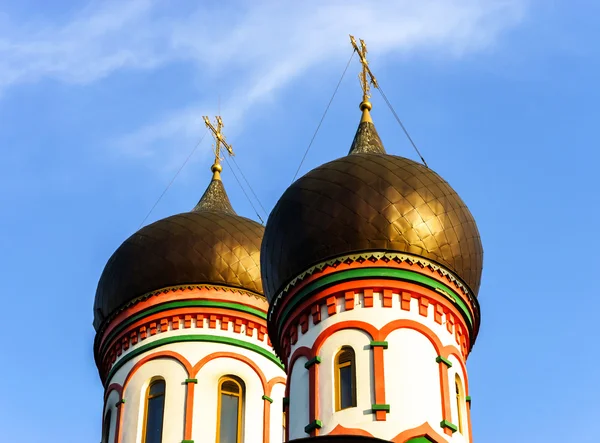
{"points": [[209, 245], [369, 201]]}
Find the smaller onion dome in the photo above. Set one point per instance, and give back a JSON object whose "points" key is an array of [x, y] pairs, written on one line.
{"points": [[209, 245]]}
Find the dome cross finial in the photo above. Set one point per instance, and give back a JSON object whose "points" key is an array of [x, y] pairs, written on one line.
{"points": [[366, 77], [216, 168]]}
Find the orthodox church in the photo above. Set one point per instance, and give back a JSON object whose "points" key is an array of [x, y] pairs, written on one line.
{"points": [[348, 318]]}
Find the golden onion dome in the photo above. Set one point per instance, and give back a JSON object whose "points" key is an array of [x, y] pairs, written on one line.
{"points": [[369, 201], [209, 245]]}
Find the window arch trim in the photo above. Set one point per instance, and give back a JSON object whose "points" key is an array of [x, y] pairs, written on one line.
{"points": [[228, 385], [147, 398], [460, 402], [345, 357]]}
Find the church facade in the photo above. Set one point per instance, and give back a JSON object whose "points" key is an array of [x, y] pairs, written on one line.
{"points": [[348, 318]]}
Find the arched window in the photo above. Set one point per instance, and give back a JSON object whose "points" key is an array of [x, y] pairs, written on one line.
{"points": [[230, 406], [345, 379], [154, 412], [106, 427], [460, 400]]}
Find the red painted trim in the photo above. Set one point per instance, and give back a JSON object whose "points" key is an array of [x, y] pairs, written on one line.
{"points": [[370, 264], [446, 352], [113, 387], [469, 422], [213, 294], [403, 288], [445, 388], [166, 318], [189, 410], [340, 430], [379, 381], [425, 430], [411, 324], [349, 324], [272, 383], [161, 354], [313, 402]]}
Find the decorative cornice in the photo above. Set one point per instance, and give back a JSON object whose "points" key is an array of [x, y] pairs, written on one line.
{"points": [[194, 317], [375, 256], [175, 305], [176, 288], [364, 273]]}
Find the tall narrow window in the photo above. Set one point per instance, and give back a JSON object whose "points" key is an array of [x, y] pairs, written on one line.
{"points": [[154, 412], [459, 402], [106, 427], [229, 418], [345, 379]]}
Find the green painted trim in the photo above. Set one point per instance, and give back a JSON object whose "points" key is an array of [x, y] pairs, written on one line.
{"points": [[192, 338], [447, 424], [383, 344], [183, 304], [286, 401], [269, 399], [191, 380], [377, 407], [313, 361], [440, 359], [468, 398], [187, 441], [420, 440], [362, 273], [317, 424]]}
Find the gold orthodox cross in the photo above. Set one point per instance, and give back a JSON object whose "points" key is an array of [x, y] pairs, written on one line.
{"points": [[219, 139], [366, 76]]}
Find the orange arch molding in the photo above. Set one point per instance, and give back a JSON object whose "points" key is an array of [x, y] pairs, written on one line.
{"points": [[340, 430], [425, 430], [378, 360], [119, 390], [266, 406], [162, 354]]}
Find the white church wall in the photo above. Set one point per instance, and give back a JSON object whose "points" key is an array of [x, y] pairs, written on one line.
{"points": [[359, 416], [299, 399], [133, 413], [205, 395], [276, 425], [206, 400], [412, 382]]}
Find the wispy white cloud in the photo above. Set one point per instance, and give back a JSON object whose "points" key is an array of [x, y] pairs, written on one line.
{"points": [[267, 43]]}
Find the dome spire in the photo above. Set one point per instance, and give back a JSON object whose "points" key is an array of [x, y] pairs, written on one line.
{"points": [[366, 140], [215, 198]]}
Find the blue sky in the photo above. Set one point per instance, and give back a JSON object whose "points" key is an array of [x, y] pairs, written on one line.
{"points": [[101, 102]]}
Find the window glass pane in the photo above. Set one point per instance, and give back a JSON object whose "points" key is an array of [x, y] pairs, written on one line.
{"points": [[106, 428], [154, 419], [157, 388], [346, 387], [229, 419]]}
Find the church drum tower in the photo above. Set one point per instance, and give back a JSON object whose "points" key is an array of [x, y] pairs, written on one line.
{"points": [[181, 344], [371, 264]]}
